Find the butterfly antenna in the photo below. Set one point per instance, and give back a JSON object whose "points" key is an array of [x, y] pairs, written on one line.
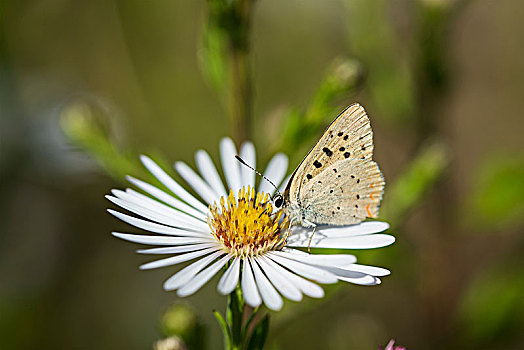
{"points": [[256, 172]]}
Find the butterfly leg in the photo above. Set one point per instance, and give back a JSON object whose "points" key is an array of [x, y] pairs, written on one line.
{"points": [[312, 234]]}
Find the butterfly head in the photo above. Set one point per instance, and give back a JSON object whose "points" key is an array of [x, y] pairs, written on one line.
{"points": [[278, 201]]}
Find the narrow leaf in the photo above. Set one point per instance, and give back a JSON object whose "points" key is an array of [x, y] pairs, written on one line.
{"points": [[225, 329]]}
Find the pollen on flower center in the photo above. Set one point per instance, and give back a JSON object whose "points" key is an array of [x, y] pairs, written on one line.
{"points": [[246, 225]]}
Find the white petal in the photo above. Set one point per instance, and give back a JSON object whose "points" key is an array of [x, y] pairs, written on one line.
{"points": [[168, 181], [268, 293], [249, 288], [302, 234], [147, 202], [247, 153], [187, 273], [283, 185], [371, 270], [160, 240], [285, 287], [202, 278], [355, 242], [308, 271], [200, 186], [151, 214], [167, 198], [157, 228], [365, 281], [229, 280], [275, 171], [363, 228], [153, 210], [177, 259], [353, 276], [176, 250], [230, 164], [345, 273], [209, 172], [307, 287], [336, 260]]}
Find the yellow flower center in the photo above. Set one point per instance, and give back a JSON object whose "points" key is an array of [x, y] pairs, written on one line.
{"points": [[246, 225]]}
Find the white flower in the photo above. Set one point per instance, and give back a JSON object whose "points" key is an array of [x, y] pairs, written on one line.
{"points": [[240, 230]]}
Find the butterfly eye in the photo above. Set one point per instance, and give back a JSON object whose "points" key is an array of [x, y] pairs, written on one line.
{"points": [[279, 201]]}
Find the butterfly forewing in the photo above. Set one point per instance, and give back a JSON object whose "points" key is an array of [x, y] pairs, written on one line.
{"points": [[343, 193], [349, 136]]}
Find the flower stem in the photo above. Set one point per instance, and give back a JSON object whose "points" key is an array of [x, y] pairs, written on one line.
{"points": [[242, 327], [235, 305], [240, 95]]}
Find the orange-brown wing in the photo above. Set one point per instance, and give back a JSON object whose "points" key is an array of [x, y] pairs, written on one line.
{"points": [[348, 136], [344, 193]]}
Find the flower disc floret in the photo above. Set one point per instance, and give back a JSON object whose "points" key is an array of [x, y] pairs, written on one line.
{"points": [[246, 225]]}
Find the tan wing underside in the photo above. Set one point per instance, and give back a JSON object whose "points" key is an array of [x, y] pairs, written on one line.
{"points": [[345, 193], [349, 136]]}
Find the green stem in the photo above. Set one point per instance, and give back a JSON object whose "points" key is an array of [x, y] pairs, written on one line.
{"points": [[242, 327], [235, 306], [240, 95]]}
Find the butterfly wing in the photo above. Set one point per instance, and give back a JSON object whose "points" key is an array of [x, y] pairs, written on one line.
{"points": [[344, 193], [348, 136]]}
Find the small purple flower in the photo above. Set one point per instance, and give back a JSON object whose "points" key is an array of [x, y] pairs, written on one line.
{"points": [[391, 346]]}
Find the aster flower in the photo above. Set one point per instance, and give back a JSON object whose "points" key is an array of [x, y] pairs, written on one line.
{"points": [[239, 231]]}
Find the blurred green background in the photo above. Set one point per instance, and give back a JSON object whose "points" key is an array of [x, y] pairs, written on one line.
{"points": [[85, 86]]}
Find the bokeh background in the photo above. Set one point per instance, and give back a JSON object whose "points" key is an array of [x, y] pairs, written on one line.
{"points": [[86, 86]]}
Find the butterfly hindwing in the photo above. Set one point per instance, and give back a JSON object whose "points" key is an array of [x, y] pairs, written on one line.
{"points": [[349, 136], [344, 193]]}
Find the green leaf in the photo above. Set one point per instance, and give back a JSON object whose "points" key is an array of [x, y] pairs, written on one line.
{"points": [[88, 127], [343, 78], [225, 330], [415, 181], [259, 335], [497, 199]]}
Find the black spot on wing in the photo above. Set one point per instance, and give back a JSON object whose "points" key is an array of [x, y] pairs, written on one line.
{"points": [[327, 151], [342, 149], [309, 176], [340, 133], [347, 154], [346, 138], [317, 164]]}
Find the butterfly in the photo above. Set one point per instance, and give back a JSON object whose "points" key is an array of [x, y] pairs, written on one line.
{"points": [[337, 183]]}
